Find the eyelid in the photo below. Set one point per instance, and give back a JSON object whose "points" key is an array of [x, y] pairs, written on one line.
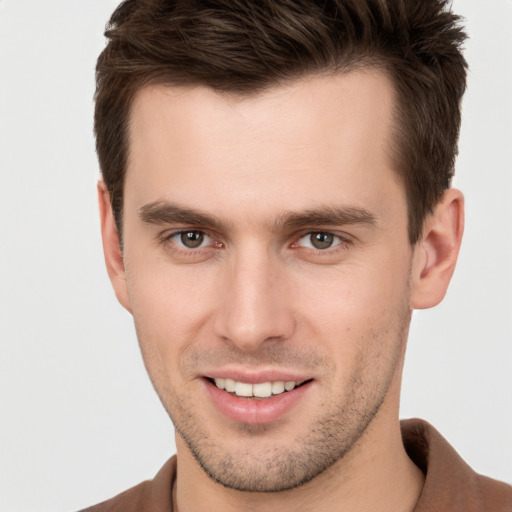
{"points": [[343, 238], [176, 237], [167, 236], [337, 240]]}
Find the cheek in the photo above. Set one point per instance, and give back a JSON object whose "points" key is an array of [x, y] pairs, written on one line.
{"points": [[170, 304], [347, 304], [358, 291]]}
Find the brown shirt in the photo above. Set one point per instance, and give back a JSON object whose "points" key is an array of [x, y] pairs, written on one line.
{"points": [[450, 484]]}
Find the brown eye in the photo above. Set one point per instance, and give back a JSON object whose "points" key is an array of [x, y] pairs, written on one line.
{"points": [[321, 240], [192, 239]]}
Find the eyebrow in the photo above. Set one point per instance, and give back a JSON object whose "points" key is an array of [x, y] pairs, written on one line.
{"points": [[163, 212], [327, 216]]}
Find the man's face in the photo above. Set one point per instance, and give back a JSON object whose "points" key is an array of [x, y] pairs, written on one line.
{"points": [[265, 245]]}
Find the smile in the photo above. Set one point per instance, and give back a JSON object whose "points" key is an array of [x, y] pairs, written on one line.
{"points": [[256, 402], [260, 390]]}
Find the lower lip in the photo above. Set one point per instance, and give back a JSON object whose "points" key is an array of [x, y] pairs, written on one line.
{"points": [[255, 411]]}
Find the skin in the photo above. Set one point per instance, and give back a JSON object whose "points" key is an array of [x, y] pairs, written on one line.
{"points": [[256, 296]]}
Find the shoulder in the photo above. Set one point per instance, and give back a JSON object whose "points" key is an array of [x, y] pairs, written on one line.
{"points": [[496, 496], [149, 496], [132, 500], [450, 484]]}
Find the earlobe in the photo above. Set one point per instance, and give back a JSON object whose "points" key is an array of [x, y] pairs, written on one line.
{"points": [[111, 247], [435, 255]]}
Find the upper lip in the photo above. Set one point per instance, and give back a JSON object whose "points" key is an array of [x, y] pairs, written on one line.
{"points": [[257, 376]]}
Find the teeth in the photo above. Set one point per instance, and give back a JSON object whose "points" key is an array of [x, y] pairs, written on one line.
{"points": [[229, 385], [277, 387], [243, 389], [289, 385], [260, 390]]}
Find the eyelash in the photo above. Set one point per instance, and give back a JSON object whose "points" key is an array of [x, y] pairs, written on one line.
{"points": [[340, 241], [167, 239]]}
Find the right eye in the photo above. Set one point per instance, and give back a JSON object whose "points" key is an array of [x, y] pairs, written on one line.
{"points": [[191, 239]]}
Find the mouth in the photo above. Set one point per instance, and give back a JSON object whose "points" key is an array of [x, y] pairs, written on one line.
{"points": [[258, 390], [256, 403]]}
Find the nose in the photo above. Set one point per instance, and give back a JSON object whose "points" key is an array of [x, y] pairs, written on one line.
{"points": [[254, 309]]}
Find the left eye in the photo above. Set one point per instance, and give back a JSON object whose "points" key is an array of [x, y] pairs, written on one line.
{"points": [[191, 239], [320, 240]]}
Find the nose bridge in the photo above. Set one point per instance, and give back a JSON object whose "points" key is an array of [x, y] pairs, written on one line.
{"points": [[253, 308]]}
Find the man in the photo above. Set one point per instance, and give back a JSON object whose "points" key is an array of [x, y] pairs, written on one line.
{"points": [[275, 202]]}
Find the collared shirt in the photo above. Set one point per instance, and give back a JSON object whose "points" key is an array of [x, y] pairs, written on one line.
{"points": [[450, 484]]}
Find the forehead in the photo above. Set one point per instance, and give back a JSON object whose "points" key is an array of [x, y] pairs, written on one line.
{"points": [[321, 138]]}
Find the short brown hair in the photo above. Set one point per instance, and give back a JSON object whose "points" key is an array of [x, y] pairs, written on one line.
{"points": [[246, 46]]}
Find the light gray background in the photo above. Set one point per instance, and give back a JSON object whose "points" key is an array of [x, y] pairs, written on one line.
{"points": [[79, 419]]}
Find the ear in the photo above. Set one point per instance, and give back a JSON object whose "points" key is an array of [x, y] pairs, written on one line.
{"points": [[111, 247], [435, 255]]}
